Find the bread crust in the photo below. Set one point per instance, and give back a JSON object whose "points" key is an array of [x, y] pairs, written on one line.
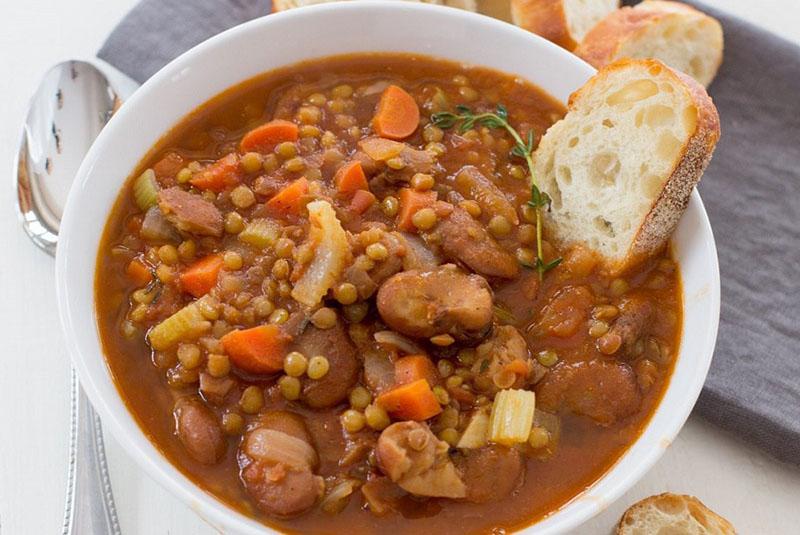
{"points": [[660, 222], [283, 5], [667, 210], [546, 18], [695, 506], [603, 42]]}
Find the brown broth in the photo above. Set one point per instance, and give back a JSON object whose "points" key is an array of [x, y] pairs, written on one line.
{"points": [[586, 451]]}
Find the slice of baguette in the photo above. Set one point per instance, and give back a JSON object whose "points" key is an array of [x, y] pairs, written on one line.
{"points": [[283, 5], [679, 35], [620, 166], [564, 22], [672, 513]]}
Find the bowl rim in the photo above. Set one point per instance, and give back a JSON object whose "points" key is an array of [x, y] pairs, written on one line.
{"points": [[147, 455]]}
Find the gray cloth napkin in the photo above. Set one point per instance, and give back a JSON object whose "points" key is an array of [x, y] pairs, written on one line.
{"points": [[157, 31], [751, 191]]}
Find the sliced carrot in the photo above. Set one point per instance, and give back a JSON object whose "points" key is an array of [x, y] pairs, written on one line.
{"points": [[263, 138], [411, 401], [518, 367], [256, 350], [398, 114], [413, 368], [287, 200], [411, 202], [139, 273], [220, 175], [169, 165], [362, 200], [350, 178], [200, 277]]}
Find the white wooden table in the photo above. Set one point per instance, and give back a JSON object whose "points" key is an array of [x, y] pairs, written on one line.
{"points": [[758, 494]]}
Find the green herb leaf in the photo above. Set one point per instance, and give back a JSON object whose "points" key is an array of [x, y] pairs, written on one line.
{"points": [[502, 112], [544, 268], [154, 286], [539, 198], [444, 119], [523, 148]]}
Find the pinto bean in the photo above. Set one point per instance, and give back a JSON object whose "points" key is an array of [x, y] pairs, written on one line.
{"points": [[277, 460], [279, 491], [286, 422], [604, 391], [566, 311], [491, 473], [444, 300], [465, 239], [198, 430], [635, 313], [335, 345]]}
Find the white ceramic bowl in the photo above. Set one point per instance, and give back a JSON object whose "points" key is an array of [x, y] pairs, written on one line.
{"points": [[306, 33]]}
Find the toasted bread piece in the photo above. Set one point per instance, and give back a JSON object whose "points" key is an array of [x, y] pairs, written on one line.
{"points": [[564, 22], [621, 165], [672, 513], [283, 5], [679, 35]]}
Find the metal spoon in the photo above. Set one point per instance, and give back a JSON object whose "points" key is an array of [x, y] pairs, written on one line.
{"points": [[73, 103]]}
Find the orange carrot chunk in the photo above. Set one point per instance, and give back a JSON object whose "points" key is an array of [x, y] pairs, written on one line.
{"points": [[411, 401], [362, 200], [350, 178], [413, 368], [398, 114], [265, 137], [222, 174], [411, 202], [256, 350], [200, 277], [287, 200], [138, 272]]}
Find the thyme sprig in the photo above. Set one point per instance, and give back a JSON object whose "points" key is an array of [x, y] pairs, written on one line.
{"points": [[466, 119]]}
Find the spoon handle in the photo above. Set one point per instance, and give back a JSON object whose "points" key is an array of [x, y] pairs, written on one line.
{"points": [[90, 503]]}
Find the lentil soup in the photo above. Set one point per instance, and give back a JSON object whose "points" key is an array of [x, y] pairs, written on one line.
{"points": [[330, 307]]}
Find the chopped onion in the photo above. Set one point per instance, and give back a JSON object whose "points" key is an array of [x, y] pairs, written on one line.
{"points": [[374, 88], [278, 447], [391, 338], [476, 435], [156, 227], [331, 254], [337, 498]]}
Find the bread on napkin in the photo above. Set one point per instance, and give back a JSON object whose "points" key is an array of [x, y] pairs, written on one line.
{"points": [[672, 513], [677, 34], [564, 22]]}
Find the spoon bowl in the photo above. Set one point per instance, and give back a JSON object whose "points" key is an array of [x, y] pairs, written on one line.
{"points": [[69, 109]]}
